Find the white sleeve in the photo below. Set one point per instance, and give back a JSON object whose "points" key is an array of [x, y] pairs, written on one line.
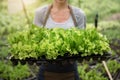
{"points": [[80, 17], [40, 15], [37, 18], [82, 21]]}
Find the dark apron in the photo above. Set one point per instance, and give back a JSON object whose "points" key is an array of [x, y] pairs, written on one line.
{"points": [[58, 72], [59, 76]]}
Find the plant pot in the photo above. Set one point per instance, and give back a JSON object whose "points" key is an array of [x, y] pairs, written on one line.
{"points": [[38, 63], [23, 62], [14, 61], [30, 60]]}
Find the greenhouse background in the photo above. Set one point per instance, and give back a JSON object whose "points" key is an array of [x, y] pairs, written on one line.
{"points": [[17, 15]]}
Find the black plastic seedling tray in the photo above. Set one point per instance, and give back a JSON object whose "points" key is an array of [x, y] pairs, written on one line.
{"points": [[59, 59]]}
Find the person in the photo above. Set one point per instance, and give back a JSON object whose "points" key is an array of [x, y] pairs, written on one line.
{"points": [[59, 14]]}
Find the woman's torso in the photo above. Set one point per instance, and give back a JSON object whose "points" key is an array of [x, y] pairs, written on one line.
{"points": [[58, 68]]}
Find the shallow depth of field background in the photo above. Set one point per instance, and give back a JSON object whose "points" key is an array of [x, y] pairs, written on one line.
{"points": [[13, 18]]}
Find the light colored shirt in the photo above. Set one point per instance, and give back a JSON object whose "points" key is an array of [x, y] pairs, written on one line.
{"points": [[41, 12], [67, 24]]}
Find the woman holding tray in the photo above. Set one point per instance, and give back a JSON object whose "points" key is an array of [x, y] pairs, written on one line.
{"points": [[59, 14]]}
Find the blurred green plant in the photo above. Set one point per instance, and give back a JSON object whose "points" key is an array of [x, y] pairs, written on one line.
{"points": [[113, 65], [9, 72], [110, 29], [92, 74]]}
